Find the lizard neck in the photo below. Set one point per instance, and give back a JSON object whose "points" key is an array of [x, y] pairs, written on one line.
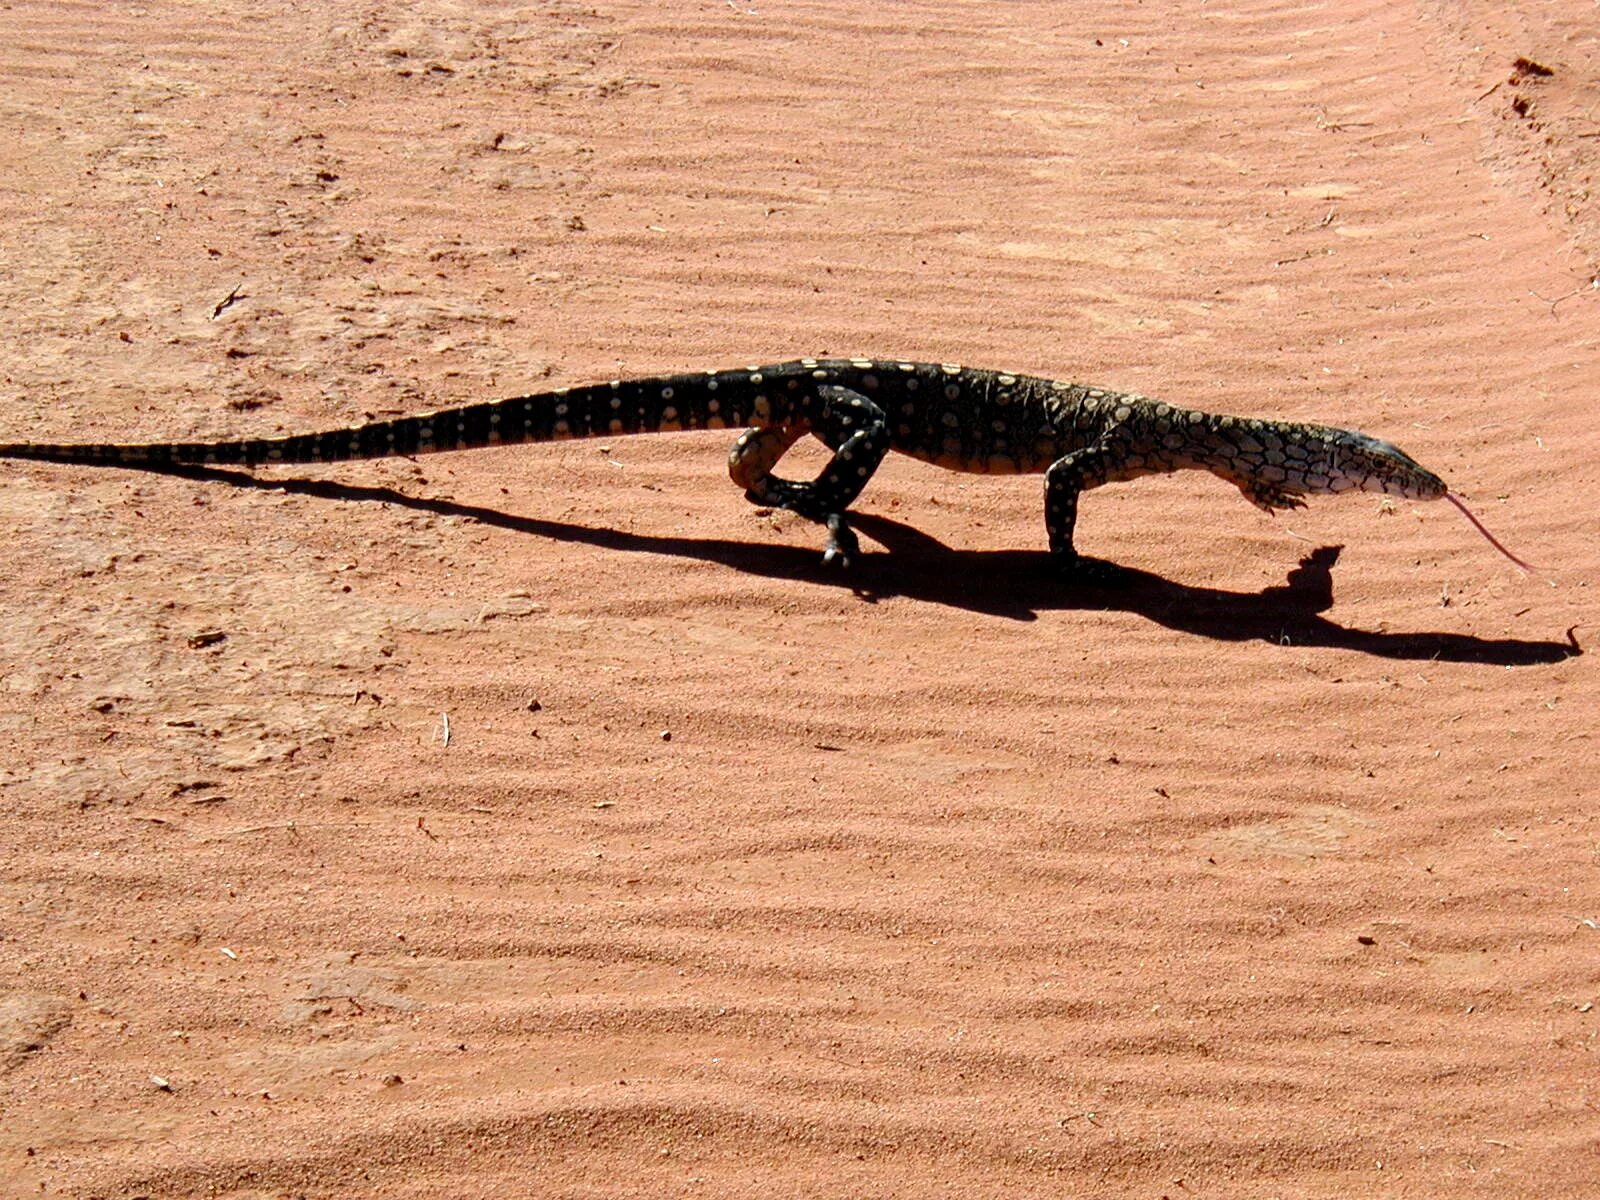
{"points": [[1247, 452], [1250, 450]]}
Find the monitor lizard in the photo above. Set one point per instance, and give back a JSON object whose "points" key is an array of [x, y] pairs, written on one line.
{"points": [[960, 418]]}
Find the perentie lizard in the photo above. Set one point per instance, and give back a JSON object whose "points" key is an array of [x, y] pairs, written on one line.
{"points": [[988, 422]]}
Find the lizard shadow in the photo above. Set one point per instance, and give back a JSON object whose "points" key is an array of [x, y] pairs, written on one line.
{"points": [[1011, 584], [1019, 584]]}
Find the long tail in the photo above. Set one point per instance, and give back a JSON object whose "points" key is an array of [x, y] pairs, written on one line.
{"points": [[664, 403]]}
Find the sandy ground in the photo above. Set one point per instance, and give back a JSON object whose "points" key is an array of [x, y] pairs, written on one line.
{"points": [[1273, 872]]}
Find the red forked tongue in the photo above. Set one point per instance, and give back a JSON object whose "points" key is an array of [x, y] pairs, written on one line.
{"points": [[1493, 541]]}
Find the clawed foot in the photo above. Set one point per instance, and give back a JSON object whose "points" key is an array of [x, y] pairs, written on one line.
{"points": [[842, 546], [1269, 497]]}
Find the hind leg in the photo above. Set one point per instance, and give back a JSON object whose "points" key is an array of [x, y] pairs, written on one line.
{"points": [[859, 434]]}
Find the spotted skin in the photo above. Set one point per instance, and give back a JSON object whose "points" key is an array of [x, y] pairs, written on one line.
{"points": [[960, 418]]}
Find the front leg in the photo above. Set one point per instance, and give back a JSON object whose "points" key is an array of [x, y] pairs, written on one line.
{"points": [[1067, 477], [859, 434], [1270, 496]]}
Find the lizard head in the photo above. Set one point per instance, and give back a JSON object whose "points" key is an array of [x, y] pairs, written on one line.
{"points": [[1373, 465]]}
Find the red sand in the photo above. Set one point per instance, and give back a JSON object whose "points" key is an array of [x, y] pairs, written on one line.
{"points": [[1274, 872]]}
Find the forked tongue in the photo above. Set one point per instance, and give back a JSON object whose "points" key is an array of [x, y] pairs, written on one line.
{"points": [[1493, 541]]}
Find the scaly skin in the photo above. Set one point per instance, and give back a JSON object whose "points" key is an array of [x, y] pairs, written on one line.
{"points": [[964, 419]]}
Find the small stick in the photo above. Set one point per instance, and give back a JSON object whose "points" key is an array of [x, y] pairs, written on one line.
{"points": [[445, 717], [1577, 291], [227, 301], [289, 825]]}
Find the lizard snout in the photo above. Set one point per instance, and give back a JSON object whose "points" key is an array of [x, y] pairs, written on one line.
{"points": [[1380, 466]]}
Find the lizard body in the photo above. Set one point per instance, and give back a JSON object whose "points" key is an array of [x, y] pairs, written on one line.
{"points": [[960, 418]]}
